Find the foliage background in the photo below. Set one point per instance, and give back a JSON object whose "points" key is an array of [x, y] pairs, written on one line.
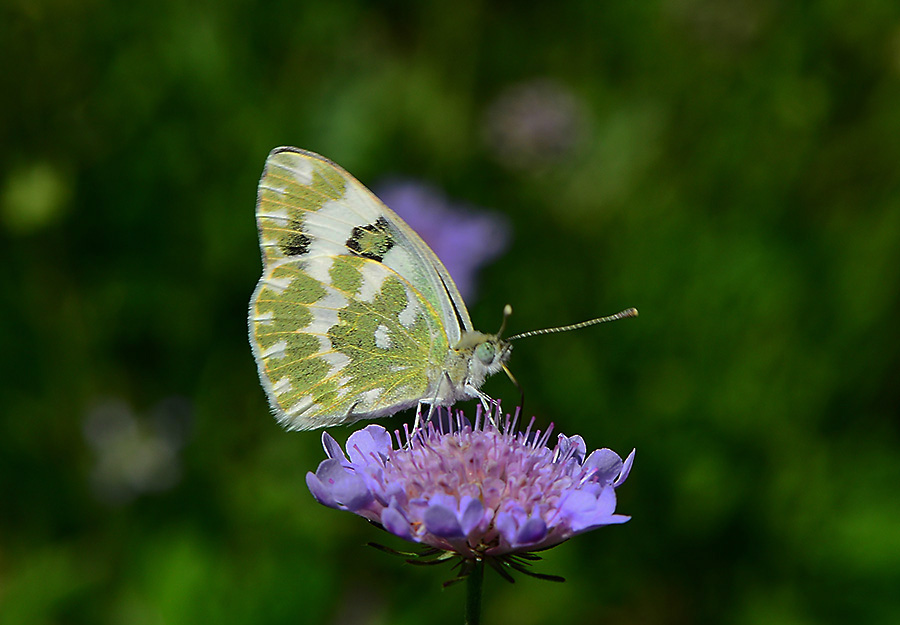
{"points": [[733, 174]]}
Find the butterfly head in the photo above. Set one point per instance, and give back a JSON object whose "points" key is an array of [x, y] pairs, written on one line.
{"points": [[485, 354], [492, 352]]}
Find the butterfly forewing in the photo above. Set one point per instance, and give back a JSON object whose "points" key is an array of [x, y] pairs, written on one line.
{"points": [[309, 206]]}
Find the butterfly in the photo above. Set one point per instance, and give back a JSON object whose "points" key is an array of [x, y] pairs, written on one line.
{"points": [[355, 317]]}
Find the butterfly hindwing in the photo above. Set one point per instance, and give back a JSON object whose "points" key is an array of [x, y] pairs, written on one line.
{"points": [[363, 345]]}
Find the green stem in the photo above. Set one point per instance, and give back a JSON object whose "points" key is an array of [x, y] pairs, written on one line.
{"points": [[474, 584]]}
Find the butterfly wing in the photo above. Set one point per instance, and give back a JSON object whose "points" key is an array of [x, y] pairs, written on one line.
{"points": [[354, 314], [309, 206]]}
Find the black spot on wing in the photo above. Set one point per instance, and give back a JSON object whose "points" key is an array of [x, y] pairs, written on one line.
{"points": [[295, 243], [372, 241]]}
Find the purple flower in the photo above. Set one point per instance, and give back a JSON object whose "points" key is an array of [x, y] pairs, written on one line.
{"points": [[479, 491], [463, 238]]}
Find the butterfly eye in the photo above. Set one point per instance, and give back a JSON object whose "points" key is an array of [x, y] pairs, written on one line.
{"points": [[485, 353]]}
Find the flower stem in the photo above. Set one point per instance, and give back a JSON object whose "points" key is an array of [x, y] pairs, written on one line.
{"points": [[474, 583]]}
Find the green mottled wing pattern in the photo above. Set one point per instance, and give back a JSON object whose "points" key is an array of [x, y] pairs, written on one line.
{"points": [[354, 315], [310, 206]]}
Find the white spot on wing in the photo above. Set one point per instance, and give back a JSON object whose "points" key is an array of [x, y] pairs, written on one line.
{"points": [[408, 315], [319, 267], [371, 396], [329, 227], [382, 337], [265, 318], [279, 285], [361, 204], [278, 217], [282, 385], [405, 263], [371, 283], [325, 314], [273, 189], [300, 167], [304, 404], [337, 360], [324, 317], [342, 390], [276, 350]]}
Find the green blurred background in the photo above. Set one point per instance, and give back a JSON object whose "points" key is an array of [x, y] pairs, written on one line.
{"points": [[730, 168]]}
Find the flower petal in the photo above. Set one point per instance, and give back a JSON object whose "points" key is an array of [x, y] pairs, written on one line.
{"points": [[579, 509], [394, 522], [506, 525], [318, 490], [472, 513], [606, 502], [332, 449], [571, 447], [373, 441], [605, 464], [343, 485], [445, 500], [626, 469], [441, 521], [533, 531]]}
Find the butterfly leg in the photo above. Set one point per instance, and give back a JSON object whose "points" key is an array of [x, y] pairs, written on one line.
{"points": [[487, 402], [420, 422], [431, 402]]}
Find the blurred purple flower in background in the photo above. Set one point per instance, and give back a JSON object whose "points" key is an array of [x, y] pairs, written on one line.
{"points": [[464, 238], [480, 492], [534, 124]]}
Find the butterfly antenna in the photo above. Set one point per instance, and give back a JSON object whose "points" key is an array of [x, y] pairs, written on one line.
{"points": [[516, 382], [625, 314], [507, 311]]}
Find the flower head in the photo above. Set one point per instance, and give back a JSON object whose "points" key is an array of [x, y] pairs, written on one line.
{"points": [[479, 491]]}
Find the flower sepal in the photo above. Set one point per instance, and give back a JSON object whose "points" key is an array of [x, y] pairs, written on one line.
{"points": [[504, 565]]}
